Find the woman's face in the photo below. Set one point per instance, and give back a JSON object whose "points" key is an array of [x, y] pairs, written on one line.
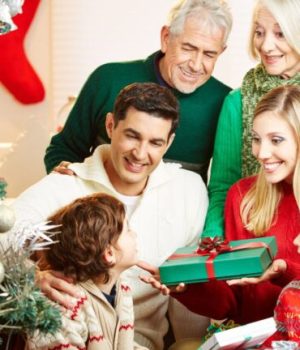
{"points": [[275, 147], [277, 56]]}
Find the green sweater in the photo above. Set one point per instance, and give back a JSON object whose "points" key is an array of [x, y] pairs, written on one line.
{"points": [[85, 127], [227, 162]]}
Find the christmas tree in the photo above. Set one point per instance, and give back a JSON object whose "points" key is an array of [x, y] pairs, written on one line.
{"points": [[23, 307]]}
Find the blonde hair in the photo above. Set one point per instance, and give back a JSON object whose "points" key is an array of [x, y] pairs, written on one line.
{"points": [[287, 15], [259, 206]]}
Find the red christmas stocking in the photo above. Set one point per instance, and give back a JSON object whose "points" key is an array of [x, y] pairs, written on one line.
{"points": [[16, 72]]}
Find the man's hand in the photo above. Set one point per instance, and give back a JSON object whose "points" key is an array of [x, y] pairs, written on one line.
{"points": [[53, 283], [154, 279], [277, 268], [62, 168]]}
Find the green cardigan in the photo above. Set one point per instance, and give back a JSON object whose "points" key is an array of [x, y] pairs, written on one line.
{"points": [[227, 162], [85, 127]]}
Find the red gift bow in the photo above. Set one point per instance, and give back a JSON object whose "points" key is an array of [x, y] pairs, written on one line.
{"points": [[215, 246]]}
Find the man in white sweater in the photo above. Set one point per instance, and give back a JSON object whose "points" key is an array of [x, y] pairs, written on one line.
{"points": [[166, 205]]}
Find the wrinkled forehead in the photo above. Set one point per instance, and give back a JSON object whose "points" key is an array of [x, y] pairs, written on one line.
{"points": [[200, 35]]}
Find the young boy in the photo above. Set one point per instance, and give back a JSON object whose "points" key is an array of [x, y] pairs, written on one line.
{"points": [[95, 245]]}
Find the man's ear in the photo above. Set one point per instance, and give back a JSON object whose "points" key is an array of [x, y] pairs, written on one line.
{"points": [[109, 123], [164, 38], [170, 141], [109, 255]]}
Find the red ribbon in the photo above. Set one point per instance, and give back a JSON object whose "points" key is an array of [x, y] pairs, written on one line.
{"points": [[215, 246]]}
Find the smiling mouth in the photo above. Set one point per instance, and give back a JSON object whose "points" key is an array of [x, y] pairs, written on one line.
{"points": [[271, 167], [272, 59], [133, 166], [190, 75]]}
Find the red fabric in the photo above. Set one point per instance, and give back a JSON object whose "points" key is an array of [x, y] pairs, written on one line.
{"points": [[285, 228], [16, 342], [16, 72], [246, 304]]}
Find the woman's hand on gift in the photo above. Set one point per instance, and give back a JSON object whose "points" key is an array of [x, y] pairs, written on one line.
{"points": [[58, 288], [154, 279], [276, 269]]}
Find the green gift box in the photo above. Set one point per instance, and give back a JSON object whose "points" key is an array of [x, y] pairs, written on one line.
{"points": [[247, 262]]}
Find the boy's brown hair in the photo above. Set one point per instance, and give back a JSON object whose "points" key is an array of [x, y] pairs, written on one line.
{"points": [[88, 226]]}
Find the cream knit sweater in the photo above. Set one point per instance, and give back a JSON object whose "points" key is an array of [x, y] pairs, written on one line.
{"points": [[169, 215]]}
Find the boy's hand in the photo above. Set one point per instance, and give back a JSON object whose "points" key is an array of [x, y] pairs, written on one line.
{"points": [[277, 268], [154, 279], [53, 283]]}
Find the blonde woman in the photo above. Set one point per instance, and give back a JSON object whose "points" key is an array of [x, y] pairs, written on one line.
{"points": [[264, 205], [268, 204], [274, 41]]}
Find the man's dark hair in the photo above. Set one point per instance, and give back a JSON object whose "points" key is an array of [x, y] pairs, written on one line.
{"points": [[151, 98], [88, 226]]}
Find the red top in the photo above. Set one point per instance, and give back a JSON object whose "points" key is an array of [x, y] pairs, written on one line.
{"points": [[285, 228]]}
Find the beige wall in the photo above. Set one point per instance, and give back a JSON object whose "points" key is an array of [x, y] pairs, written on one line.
{"points": [[66, 41]]}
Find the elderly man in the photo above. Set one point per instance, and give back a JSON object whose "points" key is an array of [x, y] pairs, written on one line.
{"points": [[166, 205], [191, 43]]}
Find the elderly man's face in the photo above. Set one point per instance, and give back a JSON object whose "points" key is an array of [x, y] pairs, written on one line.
{"points": [[190, 57]]}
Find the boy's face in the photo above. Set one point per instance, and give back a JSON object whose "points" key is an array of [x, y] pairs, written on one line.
{"points": [[125, 248], [138, 144]]}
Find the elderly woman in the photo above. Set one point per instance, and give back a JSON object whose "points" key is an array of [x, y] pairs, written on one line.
{"points": [[275, 42]]}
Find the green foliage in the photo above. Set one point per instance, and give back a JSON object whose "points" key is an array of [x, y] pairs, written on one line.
{"points": [[218, 327], [3, 185], [22, 305]]}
